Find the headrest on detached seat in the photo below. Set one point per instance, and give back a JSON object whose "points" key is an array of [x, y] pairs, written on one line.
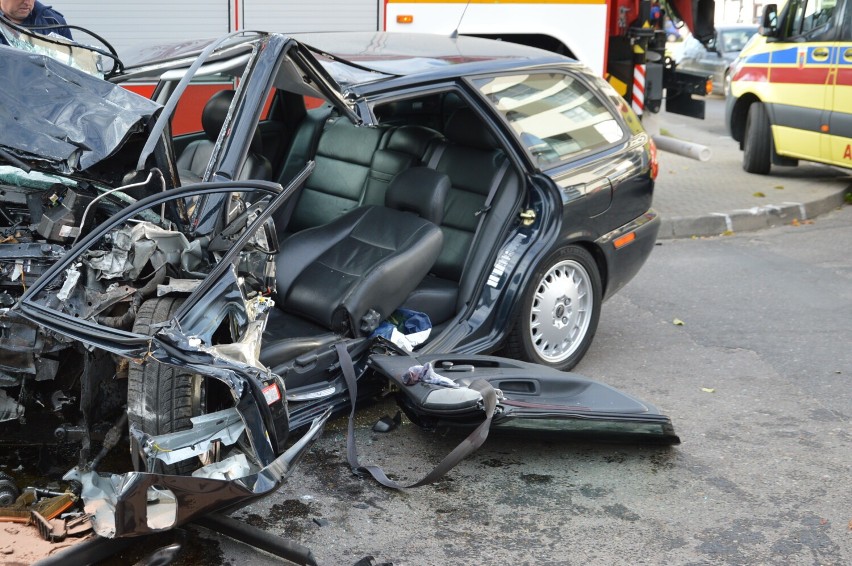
{"points": [[214, 114], [420, 190], [466, 128]]}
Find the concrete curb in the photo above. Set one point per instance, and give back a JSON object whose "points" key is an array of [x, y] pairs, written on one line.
{"points": [[750, 219]]}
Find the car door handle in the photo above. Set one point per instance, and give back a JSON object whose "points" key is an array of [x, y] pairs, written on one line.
{"points": [[820, 53]]}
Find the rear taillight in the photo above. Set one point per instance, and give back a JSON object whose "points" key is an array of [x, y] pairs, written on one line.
{"points": [[655, 165]]}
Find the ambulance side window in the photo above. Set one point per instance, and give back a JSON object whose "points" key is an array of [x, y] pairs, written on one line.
{"points": [[846, 31], [809, 19]]}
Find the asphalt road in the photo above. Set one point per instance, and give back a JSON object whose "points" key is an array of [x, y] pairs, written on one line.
{"points": [[756, 380]]}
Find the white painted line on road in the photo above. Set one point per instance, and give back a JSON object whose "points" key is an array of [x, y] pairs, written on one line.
{"points": [[728, 225]]}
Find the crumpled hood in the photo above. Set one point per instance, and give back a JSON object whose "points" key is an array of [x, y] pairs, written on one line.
{"points": [[52, 112]]}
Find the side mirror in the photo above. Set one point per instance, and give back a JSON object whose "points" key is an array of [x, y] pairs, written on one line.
{"points": [[769, 21]]}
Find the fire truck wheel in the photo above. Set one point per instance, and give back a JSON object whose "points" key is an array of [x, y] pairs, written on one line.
{"points": [[757, 153]]}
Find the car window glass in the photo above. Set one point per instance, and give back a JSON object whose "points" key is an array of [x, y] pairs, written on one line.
{"points": [[806, 16], [735, 39], [555, 115]]}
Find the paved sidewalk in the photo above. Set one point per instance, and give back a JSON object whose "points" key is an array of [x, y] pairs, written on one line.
{"points": [[710, 198]]}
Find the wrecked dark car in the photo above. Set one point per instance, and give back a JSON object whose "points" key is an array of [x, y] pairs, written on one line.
{"points": [[211, 292]]}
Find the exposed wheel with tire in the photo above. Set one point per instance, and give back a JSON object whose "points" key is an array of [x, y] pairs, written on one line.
{"points": [[559, 310], [757, 146], [161, 399]]}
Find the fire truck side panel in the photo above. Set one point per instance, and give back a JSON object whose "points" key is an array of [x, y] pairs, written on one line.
{"points": [[125, 23], [580, 25], [294, 16]]}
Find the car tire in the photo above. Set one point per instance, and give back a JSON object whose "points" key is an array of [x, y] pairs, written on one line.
{"points": [[757, 148], [559, 311], [161, 399]]}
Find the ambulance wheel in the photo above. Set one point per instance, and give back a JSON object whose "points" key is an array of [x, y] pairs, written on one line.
{"points": [[757, 150], [559, 311]]}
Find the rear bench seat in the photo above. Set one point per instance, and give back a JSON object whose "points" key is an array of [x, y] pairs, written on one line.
{"points": [[354, 166], [471, 158]]}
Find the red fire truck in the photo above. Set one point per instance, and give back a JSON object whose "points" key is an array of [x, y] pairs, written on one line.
{"points": [[616, 38]]}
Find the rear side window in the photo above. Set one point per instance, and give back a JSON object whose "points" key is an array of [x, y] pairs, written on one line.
{"points": [[556, 116]]}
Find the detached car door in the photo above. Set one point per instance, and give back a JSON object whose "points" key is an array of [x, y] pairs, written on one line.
{"points": [[530, 398]]}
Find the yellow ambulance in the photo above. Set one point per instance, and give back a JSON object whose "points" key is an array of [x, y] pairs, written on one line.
{"points": [[790, 94]]}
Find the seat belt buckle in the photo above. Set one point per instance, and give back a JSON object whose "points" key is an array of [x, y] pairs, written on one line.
{"points": [[482, 210]]}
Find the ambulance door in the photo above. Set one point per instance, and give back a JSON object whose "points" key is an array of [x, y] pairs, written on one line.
{"points": [[840, 127], [802, 67]]}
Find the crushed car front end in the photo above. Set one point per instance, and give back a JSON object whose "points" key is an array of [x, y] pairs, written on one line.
{"points": [[99, 251]]}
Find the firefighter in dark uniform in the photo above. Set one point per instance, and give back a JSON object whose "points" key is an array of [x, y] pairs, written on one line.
{"points": [[29, 13]]}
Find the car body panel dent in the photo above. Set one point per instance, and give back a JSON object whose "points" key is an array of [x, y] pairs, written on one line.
{"points": [[120, 504], [95, 116]]}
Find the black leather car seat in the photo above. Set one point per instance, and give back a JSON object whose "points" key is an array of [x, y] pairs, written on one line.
{"points": [[197, 154], [351, 273], [476, 168], [336, 186], [354, 165]]}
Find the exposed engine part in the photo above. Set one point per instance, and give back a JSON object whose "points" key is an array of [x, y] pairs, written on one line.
{"points": [[22, 263], [111, 439], [70, 433], [59, 399], [63, 209], [10, 409], [9, 491]]}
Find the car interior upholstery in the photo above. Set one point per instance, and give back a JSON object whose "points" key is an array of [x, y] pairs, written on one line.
{"points": [[348, 275], [195, 157], [349, 243]]}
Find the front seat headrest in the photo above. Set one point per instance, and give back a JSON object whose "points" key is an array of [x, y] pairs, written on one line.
{"points": [[420, 190], [214, 113], [213, 118]]}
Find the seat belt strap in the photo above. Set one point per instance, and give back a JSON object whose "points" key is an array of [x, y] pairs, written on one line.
{"points": [[467, 446], [482, 212], [492, 190], [435, 158]]}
